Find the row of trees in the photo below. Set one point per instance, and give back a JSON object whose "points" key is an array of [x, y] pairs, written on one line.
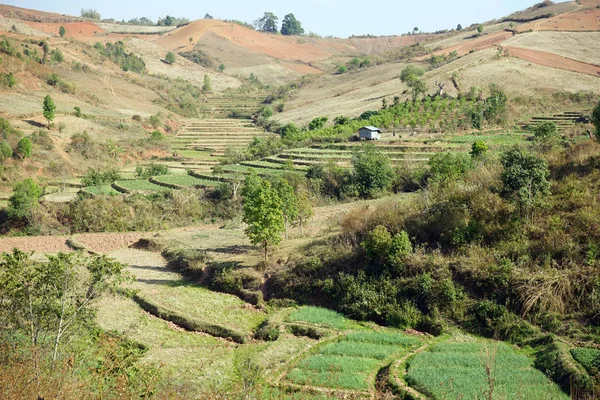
{"points": [[289, 26]]}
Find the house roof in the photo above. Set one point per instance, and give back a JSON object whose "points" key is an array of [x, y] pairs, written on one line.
{"points": [[371, 128]]}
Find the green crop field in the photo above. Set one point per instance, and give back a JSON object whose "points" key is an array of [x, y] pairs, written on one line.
{"points": [[102, 190], [141, 185], [353, 361], [185, 180], [458, 371], [319, 316]]}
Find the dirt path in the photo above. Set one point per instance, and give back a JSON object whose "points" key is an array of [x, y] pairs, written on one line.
{"points": [[553, 61]]}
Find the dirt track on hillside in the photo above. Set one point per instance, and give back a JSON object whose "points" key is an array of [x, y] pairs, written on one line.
{"points": [[553, 61]]}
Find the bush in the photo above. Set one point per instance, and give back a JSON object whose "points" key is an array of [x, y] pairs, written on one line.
{"points": [[596, 120], [317, 123], [372, 171], [57, 56], [24, 147], [156, 136], [77, 112], [151, 170], [478, 149], [6, 150], [99, 177], [448, 167], [155, 121], [545, 131], [25, 197], [170, 58], [7, 79]]}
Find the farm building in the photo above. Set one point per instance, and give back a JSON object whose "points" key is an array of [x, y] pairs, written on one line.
{"points": [[369, 133]]}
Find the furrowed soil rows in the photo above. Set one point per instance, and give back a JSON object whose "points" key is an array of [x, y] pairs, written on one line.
{"points": [[579, 21], [553, 61]]}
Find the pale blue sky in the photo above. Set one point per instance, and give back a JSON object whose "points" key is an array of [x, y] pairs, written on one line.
{"points": [[325, 17]]}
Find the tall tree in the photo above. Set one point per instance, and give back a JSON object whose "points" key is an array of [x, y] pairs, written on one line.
{"points": [[267, 23], [411, 76], [289, 202], [206, 86], [291, 26], [49, 109], [373, 171], [262, 212], [305, 210], [62, 31]]}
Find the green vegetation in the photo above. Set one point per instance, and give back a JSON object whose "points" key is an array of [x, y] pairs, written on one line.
{"points": [[184, 180], [100, 177], [24, 147], [140, 185], [170, 58], [291, 26], [7, 79], [458, 370], [411, 76], [596, 120], [148, 171], [267, 23], [62, 31], [319, 316], [116, 52], [25, 197], [49, 109], [207, 86], [373, 172], [89, 13]]}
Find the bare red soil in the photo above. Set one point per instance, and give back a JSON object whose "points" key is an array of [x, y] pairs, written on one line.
{"points": [[578, 21], [553, 60], [34, 15]]}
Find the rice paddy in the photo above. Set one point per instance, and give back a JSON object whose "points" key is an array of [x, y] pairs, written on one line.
{"points": [[458, 371], [319, 316], [140, 185], [185, 181]]}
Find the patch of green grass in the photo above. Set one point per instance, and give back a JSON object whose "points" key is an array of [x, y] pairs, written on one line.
{"points": [[319, 316], [340, 364], [357, 349], [141, 185], [102, 190], [185, 180], [329, 379], [385, 338], [458, 371]]}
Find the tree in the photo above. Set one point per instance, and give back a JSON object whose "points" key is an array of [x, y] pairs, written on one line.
{"points": [[48, 299], [525, 177], [26, 195], [268, 23], [305, 209], [92, 14], [222, 67], [49, 109], [459, 27], [596, 120], [411, 76], [415, 29], [62, 31], [545, 131], [291, 26], [317, 123], [57, 56], [478, 149], [24, 147], [170, 58], [447, 167], [289, 202], [206, 87], [480, 29], [5, 151], [372, 171], [208, 16], [262, 212]]}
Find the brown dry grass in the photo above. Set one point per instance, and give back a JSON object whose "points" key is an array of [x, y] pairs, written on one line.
{"points": [[581, 46]]}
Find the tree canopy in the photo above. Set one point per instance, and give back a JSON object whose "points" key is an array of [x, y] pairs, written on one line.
{"points": [[291, 26], [373, 171], [170, 58], [411, 76], [596, 120], [267, 23], [49, 109]]}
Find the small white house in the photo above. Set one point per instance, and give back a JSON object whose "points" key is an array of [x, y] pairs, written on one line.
{"points": [[369, 133]]}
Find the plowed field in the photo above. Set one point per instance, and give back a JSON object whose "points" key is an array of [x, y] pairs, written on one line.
{"points": [[553, 61]]}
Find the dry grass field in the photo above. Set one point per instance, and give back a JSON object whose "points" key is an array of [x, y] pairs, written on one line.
{"points": [[585, 20], [581, 46]]}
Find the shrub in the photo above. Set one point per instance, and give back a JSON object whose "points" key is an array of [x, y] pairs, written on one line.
{"points": [[77, 112], [545, 131], [156, 136], [155, 121], [151, 170], [596, 120], [89, 13], [24, 147], [26, 195], [377, 244], [57, 56], [525, 176], [317, 123], [8, 79], [99, 177], [170, 58], [5, 150], [478, 149], [372, 171], [342, 69], [448, 167]]}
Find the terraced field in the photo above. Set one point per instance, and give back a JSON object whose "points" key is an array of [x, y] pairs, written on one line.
{"points": [[215, 136], [228, 106]]}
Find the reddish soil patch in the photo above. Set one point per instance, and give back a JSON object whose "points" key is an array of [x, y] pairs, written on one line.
{"points": [[302, 68], [481, 43], [39, 244], [579, 21], [74, 29], [591, 3], [553, 61], [107, 242]]}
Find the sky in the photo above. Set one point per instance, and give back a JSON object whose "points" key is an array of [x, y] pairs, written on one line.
{"points": [[340, 18]]}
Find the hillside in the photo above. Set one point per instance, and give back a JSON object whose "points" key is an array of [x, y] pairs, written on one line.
{"points": [[194, 212]]}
